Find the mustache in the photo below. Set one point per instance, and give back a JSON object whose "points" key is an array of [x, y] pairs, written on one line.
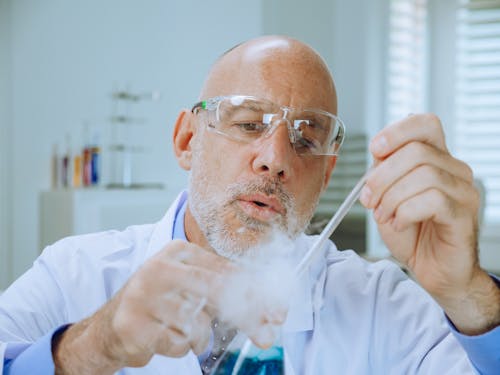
{"points": [[265, 186]]}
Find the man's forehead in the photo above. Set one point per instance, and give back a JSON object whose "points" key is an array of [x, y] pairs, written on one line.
{"points": [[278, 69]]}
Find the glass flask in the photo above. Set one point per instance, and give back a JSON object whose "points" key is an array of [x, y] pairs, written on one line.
{"points": [[242, 357]]}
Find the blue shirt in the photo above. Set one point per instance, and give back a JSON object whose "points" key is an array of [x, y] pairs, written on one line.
{"points": [[24, 358]]}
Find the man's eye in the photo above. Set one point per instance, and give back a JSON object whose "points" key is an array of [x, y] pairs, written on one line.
{"points": [[309, 125], [305, 145], [249, 127]]}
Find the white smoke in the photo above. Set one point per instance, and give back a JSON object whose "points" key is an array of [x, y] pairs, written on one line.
{"points": [[263, 285]]}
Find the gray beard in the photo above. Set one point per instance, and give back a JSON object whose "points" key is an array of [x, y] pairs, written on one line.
{"points": [[213, 216]]}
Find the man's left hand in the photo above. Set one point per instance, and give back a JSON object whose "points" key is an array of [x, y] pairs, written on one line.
{"points": [[426, 208]]}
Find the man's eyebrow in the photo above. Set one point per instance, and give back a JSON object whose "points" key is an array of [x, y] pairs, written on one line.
{"points": [[253, 106]]}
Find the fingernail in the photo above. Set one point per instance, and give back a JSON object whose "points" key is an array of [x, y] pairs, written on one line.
{"points": [[366, 196], [276, 316], [379, 145], [266, 337]]}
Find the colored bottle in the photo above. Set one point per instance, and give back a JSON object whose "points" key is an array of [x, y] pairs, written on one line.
{"points": [[65, 164], [87, 166], [77, 170], [95, 162], [86, 157]]}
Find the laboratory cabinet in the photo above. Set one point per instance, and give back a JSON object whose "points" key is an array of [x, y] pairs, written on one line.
{"points": [[67, 212]]}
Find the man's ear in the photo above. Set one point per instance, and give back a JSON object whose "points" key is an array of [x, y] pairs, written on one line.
{"points": [[332, 160], [182, 137]]}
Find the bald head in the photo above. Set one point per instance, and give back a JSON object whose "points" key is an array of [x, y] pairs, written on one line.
{"points": [[281, 69]]}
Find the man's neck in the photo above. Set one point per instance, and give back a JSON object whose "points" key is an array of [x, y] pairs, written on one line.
{"points": [[193, 231]]}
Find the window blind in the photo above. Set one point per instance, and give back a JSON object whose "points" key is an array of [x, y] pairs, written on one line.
{"points": [[477, 98], [350, 166], [406, 62]]}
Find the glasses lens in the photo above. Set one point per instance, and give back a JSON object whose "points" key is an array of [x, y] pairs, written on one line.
{"points": [[243, 118], [315, 132]]}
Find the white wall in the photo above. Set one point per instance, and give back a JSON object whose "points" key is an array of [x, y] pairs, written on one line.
{"points": [[311, 22], [68, 56], [5, 126], [338, 31]]}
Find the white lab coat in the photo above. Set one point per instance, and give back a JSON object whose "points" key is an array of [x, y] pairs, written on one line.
{"points": [[351, 317]]}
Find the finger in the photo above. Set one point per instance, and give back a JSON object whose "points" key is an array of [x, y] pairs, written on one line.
{"points": [[189, 312], [402, 162], [195, 255], [171, 343], [259, 322], [264, 336], [425, 128], [199, 337], [187, 324], [276, 316], [164, 276], [199, 270], [177, 310], [433, 205], [423, 178]]}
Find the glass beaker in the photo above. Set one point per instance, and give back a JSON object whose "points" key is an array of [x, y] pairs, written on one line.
{"points": [[242, 357]]}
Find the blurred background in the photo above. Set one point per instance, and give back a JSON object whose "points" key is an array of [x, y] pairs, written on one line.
{"points": [[89, 93]]}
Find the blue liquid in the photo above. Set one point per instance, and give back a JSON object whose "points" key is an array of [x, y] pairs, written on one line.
{"points": [[252, 365]]}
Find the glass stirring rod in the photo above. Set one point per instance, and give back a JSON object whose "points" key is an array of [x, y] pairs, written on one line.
{"points": [[332, 225]]}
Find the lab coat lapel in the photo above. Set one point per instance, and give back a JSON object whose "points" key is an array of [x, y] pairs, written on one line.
{"points": [[299, 326], [162, 233]]}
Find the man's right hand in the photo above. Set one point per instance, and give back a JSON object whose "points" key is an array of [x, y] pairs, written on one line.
{"points": [[165, 308]]}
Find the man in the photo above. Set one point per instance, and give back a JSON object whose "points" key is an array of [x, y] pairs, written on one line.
{"points": [[260, 147]]}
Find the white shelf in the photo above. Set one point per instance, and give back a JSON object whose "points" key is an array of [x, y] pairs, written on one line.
{"points": [[78, 211]]}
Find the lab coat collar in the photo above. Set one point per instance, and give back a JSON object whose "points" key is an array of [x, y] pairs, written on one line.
{"points": [[300, 313], [163, 231]]}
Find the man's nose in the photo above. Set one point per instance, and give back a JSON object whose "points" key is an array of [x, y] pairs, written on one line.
{"points": [[274, 153]]}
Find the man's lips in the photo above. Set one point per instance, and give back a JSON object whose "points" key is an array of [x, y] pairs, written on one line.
{"points": [[265, 201], [261, 206]]}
